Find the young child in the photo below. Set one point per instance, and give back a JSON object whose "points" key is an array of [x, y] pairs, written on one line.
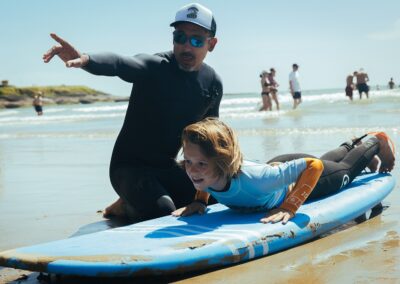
{"points": [[214, 163]]}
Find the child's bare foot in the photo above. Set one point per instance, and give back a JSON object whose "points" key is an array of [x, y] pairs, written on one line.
{"points": [[115, 210], [386, 153], [373, 165]]}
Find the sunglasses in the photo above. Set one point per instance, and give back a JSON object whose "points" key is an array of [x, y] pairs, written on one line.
{"points": [[195, 40]]}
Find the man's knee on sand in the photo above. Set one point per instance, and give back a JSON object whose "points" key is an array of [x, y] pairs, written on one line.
{"points": [[138, 188]]}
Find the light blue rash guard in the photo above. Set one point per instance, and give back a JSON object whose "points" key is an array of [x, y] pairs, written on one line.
{"points": [[260, 187]]}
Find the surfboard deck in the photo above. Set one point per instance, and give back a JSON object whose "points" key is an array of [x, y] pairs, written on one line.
{"points": [[170, 245]]}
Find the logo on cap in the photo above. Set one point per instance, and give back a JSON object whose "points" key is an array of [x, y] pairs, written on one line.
{"points": [[192, 13]]}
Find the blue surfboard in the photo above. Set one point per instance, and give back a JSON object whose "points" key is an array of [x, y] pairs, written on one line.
{"points": [[221, 237]]}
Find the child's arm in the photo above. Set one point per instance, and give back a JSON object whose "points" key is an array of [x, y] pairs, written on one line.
{"points": [[304, 186], [199, 205], [202, 197]]}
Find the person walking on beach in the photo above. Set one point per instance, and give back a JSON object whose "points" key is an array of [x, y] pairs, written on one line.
{"points": [[294, 85], [391, 83], [273, 87], [170, 91], [38, 103], [349, 86], [362, 79], [265, 89]]}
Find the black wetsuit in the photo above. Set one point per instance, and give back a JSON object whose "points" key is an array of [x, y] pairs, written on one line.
{"points": [[163, 101], [341, 165]]}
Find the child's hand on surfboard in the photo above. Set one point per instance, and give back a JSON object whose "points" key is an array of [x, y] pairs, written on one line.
{"points": [[192, 208], [277, 215]]}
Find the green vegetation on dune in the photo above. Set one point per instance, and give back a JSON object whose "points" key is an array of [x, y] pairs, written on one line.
{"points": [[14, 97], [9, 91], [49, 91]]}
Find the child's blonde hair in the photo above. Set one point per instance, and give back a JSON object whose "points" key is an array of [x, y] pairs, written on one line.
{"points": [[218, 143]]}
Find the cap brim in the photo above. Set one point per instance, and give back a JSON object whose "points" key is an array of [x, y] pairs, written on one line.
{"points": [[194, 23]]}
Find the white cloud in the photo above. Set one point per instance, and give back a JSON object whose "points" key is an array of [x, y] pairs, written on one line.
{"points": [[391, 34]]}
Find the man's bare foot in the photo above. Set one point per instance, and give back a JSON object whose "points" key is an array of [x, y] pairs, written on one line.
{"points": [[386, 154], [115, 210], [373, 165]]}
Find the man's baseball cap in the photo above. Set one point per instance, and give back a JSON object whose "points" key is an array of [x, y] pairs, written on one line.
{"points": [[196, 14]]}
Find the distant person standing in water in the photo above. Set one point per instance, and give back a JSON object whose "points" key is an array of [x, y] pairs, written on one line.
{"points": [[38, 103], [362, 79], [170, 91], [294, 85], [265, 90], [349, 86], [274, 87], [391, 83]]}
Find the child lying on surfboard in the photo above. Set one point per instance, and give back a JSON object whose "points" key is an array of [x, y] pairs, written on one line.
{"points": [[215, 165]]}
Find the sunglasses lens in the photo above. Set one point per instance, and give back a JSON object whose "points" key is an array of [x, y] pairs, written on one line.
{"points": [[196, 41], [180, 37]]}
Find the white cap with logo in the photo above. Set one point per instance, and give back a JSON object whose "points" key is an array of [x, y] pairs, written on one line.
{"points": [[196, 14]]}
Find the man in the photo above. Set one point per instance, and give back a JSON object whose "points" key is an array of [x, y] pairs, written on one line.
{"points": [[391, 84], [350, 86], [294, 85], [170, 91], [38, 103], [361, 80]]}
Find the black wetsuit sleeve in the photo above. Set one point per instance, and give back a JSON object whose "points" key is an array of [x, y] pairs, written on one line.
{"points": [[216, 93], [130, 69]]}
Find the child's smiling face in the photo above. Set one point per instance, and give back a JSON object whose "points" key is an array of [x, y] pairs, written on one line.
{"points": [[200, 168]]}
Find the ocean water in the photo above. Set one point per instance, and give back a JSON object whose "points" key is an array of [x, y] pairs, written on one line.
{"points": [[54, 168]]}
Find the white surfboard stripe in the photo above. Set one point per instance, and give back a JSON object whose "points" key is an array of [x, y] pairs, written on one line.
{"points": [[150, 228], [227, 231], [222, 235], [215, 234], [210, 231], [219, 237], [256, 234], [220, 240]]}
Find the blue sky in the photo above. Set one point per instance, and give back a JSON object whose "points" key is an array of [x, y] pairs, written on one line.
{"points": [[328, 39]]}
